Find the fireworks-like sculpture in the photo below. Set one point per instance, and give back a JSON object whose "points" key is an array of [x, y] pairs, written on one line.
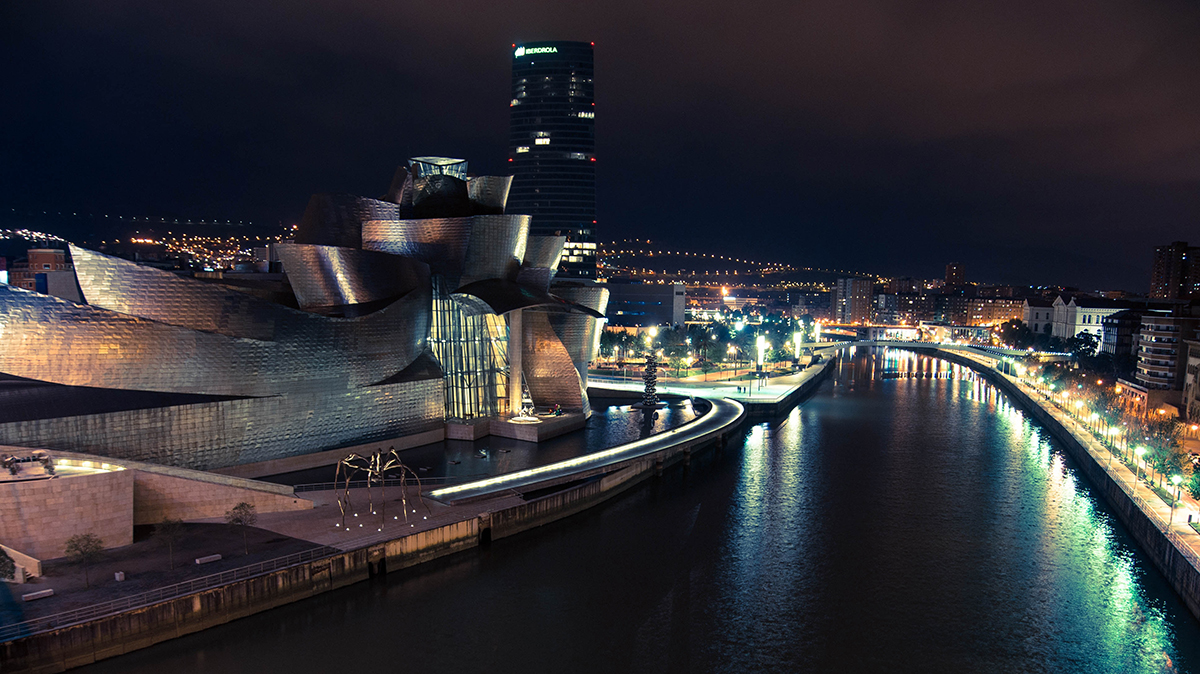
{"points": [[376, 466]]}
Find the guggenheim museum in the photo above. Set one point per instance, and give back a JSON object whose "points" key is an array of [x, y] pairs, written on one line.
{"points": [[394, 317]]}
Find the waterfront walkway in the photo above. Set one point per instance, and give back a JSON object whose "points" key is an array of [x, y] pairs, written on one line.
{"points": [[1172, 522], [771, 390], [723, 414], [432, 508]]}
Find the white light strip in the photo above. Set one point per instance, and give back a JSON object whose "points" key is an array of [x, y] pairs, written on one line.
{"points": [[598, 457]]}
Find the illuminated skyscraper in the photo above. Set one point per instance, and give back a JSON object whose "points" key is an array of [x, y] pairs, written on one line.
{"points": [[552, 147]]}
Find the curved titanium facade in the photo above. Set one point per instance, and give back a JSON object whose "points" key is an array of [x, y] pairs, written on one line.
{"points": [[129, 288], [336, 219], [77, 345], [500, 296], [489, 194], [552, 146], [463, 250], [577, 332], [580, 332], [544, 252], [550, 374], [230, 432], [328, 276]]}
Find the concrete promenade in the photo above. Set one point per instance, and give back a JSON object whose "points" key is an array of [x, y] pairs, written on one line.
{"points": [[765, 393], [435, 507], [724, 413]]}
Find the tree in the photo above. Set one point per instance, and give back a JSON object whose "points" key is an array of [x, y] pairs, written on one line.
{"points": [[242, 515], [1015, 333], [1082, 345], [85, 550], [778, 355], [678, 364], [1163, 433], [1193, 485], [169, 531], [8, 568]]}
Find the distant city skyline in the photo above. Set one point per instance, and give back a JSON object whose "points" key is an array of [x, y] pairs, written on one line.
{"points": [[1031, 157]]}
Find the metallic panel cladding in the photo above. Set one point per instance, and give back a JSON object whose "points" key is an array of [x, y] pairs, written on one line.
{"points": [[463, 250], [336, 219], [52, 340], [136, 290], [544, 252], [326, 276], [213, 435], [285, 381], [579, 332], [550, 374], [489, 194]]}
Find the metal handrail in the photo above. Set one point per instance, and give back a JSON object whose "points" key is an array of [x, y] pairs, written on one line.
{"points": [[86, 613], [389, 482]]}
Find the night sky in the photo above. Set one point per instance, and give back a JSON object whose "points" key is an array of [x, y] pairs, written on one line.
{"points": [[1038, 142]]}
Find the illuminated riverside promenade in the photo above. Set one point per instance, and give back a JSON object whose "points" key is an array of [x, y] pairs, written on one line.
{"points": [[890, 523]]}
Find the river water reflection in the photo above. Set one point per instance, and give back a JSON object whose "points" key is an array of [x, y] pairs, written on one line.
{"points": [[905, 518]]}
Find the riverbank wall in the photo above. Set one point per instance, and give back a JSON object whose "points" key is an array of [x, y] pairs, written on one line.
{"points": [[60, 649], [772, 409], [1155, 542]]}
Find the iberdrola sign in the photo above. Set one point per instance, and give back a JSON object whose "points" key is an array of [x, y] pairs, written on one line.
{"points": [[526, 51]]}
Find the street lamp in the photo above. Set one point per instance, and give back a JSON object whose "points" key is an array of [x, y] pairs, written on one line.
{"points": [[1140, 451], [1175, 480]]}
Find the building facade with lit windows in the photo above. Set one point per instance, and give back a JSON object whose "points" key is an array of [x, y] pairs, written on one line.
{"points": [[646, 304], [1191, 382], [1038, 314], [1075, 315], [1175, 272], [852, 299], [397, 316], [552, 147], [1162, 353]]}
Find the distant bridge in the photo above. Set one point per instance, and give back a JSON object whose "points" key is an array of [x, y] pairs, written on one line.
{"points": [[996, 352]]}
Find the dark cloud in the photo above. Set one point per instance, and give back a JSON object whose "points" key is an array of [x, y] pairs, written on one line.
{"points": [[1050, 141]]}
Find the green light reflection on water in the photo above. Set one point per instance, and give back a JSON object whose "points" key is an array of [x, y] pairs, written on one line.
{"points": [[1085, 602]]}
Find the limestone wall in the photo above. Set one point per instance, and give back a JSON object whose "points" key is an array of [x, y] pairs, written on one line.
{"points": [[159, 495], [38, 516]]}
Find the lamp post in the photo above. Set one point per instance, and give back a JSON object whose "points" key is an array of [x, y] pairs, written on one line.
{"points": [[761, 342], [1175, 480], [1140, 451]]}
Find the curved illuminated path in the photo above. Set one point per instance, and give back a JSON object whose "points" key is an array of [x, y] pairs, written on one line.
{"points": [[724, 413]]}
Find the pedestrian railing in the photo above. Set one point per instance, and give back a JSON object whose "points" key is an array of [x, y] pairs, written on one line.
{"points": [[86, 613], [390, 482]]}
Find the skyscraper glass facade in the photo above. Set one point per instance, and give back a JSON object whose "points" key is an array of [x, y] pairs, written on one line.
{"points": [[552, 147]]}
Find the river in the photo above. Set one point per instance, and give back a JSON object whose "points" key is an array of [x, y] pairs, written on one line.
{"points": [[905, 518]]}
